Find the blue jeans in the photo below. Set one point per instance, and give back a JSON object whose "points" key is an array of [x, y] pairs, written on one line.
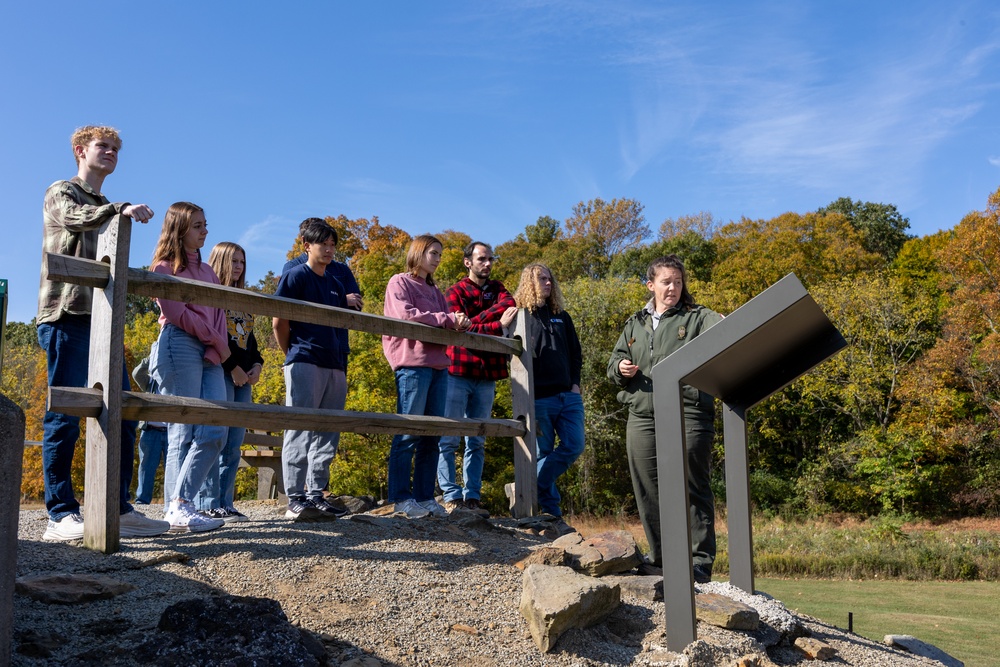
{"points": [[472, 399], [152, 449], [219, 488], [561, 414], [66, 343], [180, 369], [419, 391]]}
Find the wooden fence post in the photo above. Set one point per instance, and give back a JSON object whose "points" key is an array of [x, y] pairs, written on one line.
{"points": [[11, 456], [522, 393], [107, 358]]}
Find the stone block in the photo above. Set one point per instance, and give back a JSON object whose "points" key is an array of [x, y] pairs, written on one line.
{"points": [[725, 612], [556, 599], [814, 649], [923, 649]]}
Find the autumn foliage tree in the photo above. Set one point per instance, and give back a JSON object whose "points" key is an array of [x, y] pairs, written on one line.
{"points": [[905, 420]]}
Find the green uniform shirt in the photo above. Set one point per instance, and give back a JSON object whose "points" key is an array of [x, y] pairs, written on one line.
{"points": [[646, 348]]}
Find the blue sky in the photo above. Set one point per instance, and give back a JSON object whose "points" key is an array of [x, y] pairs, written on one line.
{"points": [[480, 117]]}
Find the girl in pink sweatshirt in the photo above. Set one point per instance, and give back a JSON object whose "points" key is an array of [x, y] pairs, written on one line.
{"points": [[421, 371], [192, 345]]}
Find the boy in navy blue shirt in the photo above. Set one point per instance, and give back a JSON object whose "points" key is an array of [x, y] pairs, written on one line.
{"points": [[314, 376]]}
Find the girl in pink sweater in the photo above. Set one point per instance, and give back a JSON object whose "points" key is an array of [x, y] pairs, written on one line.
{"points": [[421, 371], [192, 345]]}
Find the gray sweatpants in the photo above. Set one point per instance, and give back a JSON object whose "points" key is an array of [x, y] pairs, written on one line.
{"points": [[306, 455]]}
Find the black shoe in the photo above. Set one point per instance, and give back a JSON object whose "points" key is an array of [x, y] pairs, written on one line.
{"points": [[702, 574], [648, 570], [561, 527], [233, 515], [476, 507], [300, 509], [329, 509]]}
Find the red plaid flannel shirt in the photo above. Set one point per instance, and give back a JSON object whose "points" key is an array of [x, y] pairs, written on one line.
{"points": [[484, 306]]}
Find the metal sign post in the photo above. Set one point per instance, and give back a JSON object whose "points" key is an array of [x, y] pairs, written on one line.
{"points": [[757, 350]]}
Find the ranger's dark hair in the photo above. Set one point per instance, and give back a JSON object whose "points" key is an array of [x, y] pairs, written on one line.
{"points": [[672, 262]]}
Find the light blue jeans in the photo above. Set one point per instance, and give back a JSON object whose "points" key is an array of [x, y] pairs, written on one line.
{"points": [[561, 414], [472, 399], [306, 455], [219, 489], [180, 369], [419, 391]]}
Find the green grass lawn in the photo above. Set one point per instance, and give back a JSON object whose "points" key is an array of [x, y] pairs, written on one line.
{"points": [[960, 618]]}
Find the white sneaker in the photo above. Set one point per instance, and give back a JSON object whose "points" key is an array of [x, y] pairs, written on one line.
{"points": [[433, 506], [183, 518], [411, 508], [137, 524], [66, 529]]}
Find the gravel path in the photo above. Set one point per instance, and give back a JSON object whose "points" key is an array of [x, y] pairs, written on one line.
{"points": [[404, 592]]}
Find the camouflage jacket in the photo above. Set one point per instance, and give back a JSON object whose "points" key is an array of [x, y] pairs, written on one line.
{"points": [[71, 217]]}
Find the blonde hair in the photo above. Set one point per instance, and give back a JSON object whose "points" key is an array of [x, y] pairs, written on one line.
{"points": [[529, 290], [82, 136], [415, 254], [221, 261], [170, 246]]}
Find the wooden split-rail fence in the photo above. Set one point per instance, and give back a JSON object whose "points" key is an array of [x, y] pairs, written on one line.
{"points": [[104, 404]]}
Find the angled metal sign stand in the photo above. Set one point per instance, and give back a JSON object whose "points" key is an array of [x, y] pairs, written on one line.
{"points": [[757, 350]]}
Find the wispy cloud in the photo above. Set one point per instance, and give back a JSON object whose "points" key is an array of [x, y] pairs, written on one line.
{"points": [[267, 243], [770, 100], [368, 186]]}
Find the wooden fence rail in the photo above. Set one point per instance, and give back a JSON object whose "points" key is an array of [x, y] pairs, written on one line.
{"points": [[104, 404]]}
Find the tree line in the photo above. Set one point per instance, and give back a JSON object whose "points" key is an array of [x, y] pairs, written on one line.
{"points": [[905, 420]]}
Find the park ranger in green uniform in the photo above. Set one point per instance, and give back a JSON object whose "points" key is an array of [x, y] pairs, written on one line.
{"points": [[664, 325]]}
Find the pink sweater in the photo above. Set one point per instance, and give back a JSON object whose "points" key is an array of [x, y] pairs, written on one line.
{"points": [[410, 298], [206, 323]]}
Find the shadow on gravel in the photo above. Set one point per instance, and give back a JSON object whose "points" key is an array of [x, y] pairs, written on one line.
{"points": [[620, 637], [346, 539], [158, 621]]}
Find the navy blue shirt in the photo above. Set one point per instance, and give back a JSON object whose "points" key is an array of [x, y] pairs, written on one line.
{"points": [[341, 272], [316, 344]]}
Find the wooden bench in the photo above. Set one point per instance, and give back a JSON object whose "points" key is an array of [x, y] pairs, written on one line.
{"points": [[266, 458]]}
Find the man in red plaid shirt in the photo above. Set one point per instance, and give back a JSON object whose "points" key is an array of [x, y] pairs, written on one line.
{"points": [[472, 375]]}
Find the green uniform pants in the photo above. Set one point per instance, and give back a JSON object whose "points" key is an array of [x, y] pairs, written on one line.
{"points": [[640, 441]]}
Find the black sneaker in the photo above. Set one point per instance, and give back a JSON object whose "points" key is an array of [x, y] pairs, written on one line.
{"points": [[300, 509], [476, 507], [702, 574], [647, 569], [233, 515], [329, 509], [561, 527]]}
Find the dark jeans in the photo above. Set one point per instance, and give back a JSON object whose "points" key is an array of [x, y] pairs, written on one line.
{"points": [[66, 343], [152, 452]]}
